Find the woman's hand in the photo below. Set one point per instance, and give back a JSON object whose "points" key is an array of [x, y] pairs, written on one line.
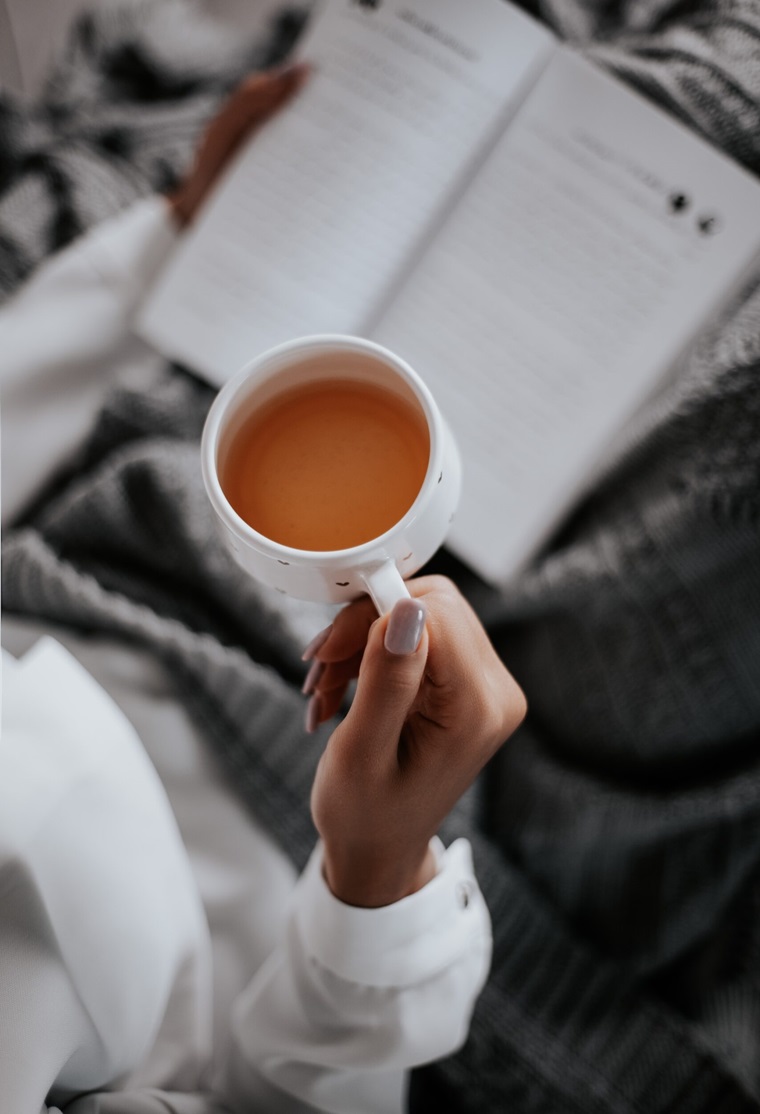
{"points": [[254, 102], [433, 703]]}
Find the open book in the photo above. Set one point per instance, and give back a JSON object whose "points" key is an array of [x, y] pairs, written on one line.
{"points": [[539, 242]]}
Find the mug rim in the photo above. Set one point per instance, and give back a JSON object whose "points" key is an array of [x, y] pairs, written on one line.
{"points": [[213, 427]]}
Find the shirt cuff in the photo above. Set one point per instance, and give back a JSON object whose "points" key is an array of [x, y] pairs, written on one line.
{"points": [[130, 248], [398, 944]]}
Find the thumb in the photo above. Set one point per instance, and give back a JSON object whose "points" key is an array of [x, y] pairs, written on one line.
{"points": [[392, 669]]}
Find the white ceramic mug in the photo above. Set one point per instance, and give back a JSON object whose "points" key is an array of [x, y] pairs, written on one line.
{"points": [[379, 566]]}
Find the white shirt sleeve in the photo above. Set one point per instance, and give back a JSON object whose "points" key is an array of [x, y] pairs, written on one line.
{"points": [[66, 336], [354, 997], [100, 918], [101, 926]]}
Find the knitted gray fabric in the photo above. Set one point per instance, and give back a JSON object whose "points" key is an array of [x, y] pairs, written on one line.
{"points": [[617, 837], [118, 118]]}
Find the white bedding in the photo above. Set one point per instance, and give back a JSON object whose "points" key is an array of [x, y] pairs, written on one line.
{"points": [[233, 860]]}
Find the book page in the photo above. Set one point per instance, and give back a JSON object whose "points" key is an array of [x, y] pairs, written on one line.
{"points": [[325, 205], [595, 243]]}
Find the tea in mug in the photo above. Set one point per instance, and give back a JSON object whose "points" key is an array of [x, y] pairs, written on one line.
{"points": [[327, 465]]}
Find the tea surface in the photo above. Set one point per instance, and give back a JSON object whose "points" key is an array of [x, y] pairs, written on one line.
{"points": [[327, 465]]}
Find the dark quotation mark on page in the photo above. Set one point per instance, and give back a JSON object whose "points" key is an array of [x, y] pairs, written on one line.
{"points": [[707, 224]]}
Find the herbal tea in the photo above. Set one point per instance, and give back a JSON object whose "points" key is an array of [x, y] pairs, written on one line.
{"points": [[327, 465]]}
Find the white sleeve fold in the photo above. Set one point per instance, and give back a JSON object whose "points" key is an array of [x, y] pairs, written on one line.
{"points": [[354, 997], [66, 335]]}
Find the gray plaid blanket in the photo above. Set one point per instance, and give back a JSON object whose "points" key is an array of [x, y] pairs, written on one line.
{"points": [[617, 836]]}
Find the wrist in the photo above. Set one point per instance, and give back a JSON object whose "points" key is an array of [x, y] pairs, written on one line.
{"points": [[374, 881]]}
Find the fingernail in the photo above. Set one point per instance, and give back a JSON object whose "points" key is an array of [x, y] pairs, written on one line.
{"points": [[405, 627], [316, 643], [316, 669], [312, 714]]}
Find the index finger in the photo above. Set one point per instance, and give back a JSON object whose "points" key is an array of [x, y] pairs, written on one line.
{"points": [[253, 102], [349, 633], [265, 92]]}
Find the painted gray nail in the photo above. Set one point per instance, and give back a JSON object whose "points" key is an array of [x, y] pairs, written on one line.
{"points": [[316, 669], [316, 643], [312, 714], [405, 627]]}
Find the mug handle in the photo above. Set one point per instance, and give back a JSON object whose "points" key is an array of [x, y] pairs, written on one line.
{"points": [[385, 586]]}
